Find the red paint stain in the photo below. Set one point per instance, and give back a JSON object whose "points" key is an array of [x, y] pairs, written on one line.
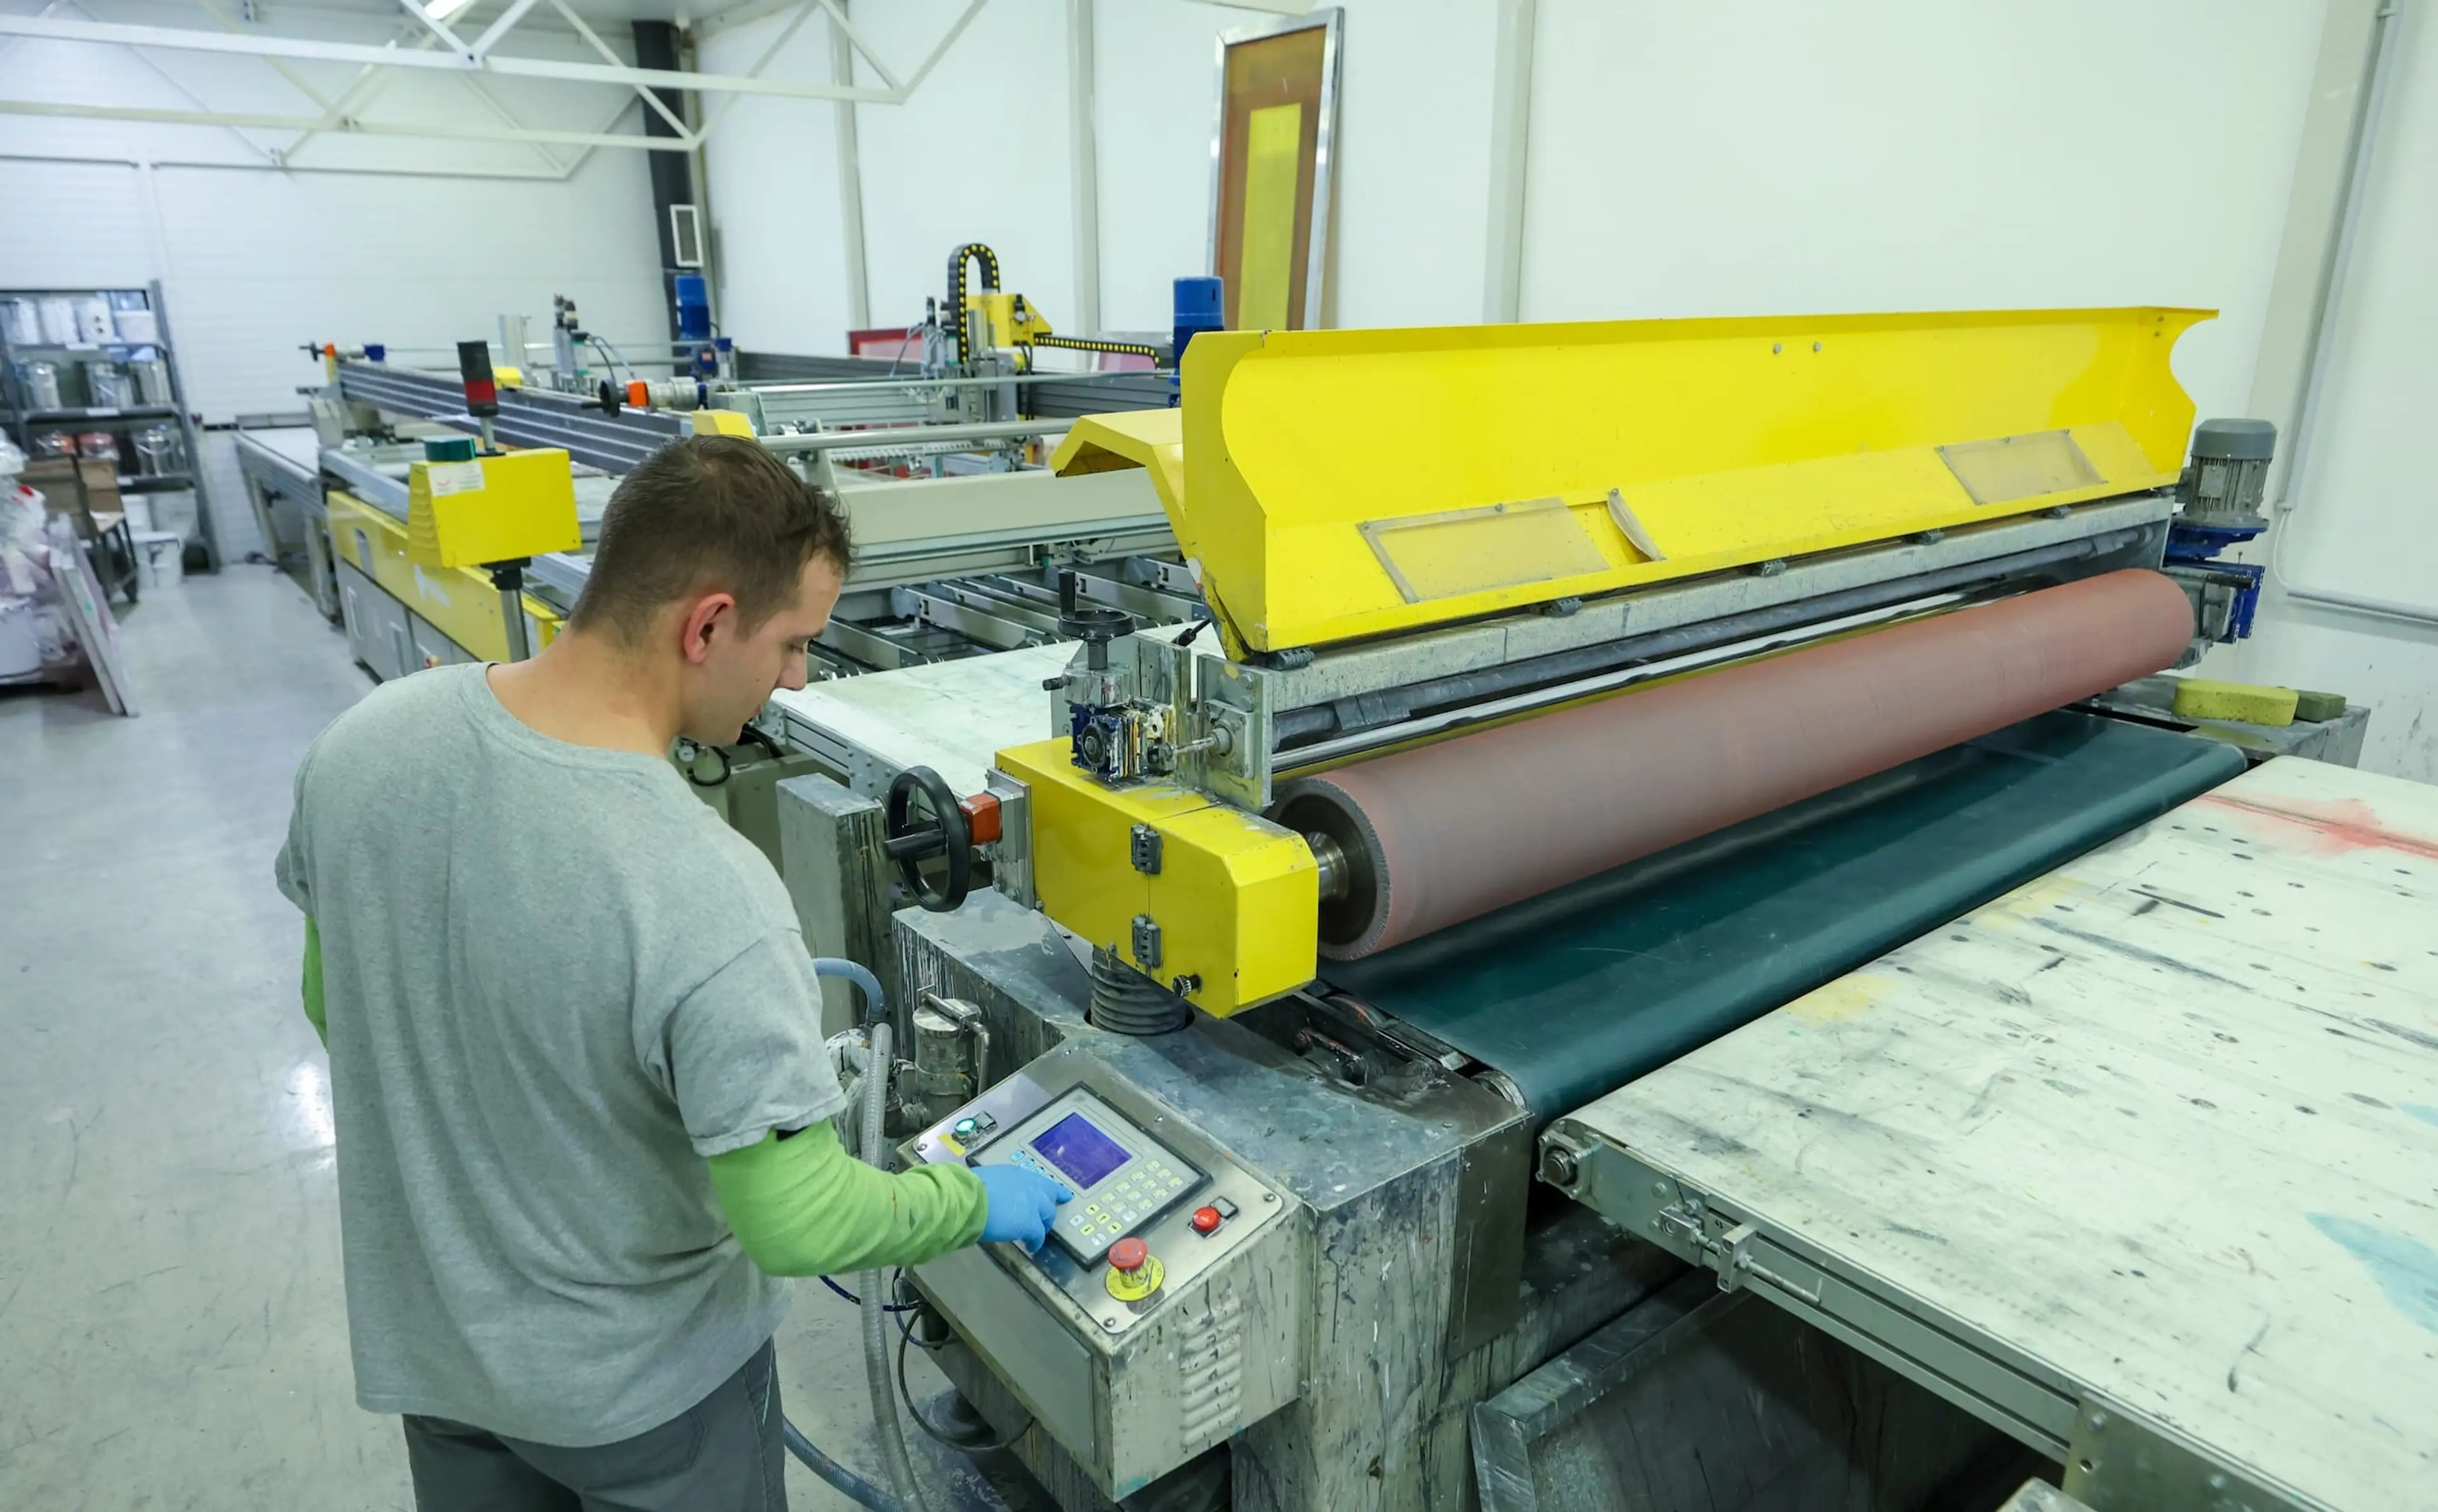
{"points": [[2333, 829]]}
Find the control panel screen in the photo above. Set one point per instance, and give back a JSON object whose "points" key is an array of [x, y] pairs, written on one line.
{"points": [[1077, 1146]]}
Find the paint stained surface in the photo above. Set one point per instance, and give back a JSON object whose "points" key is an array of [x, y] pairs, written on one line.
{"points": [[2160, 1121], [2405, 1269]]}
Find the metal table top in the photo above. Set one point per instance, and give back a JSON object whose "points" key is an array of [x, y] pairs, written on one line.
{"points": [[297, 448], [951, 716], [2136, 1161]]}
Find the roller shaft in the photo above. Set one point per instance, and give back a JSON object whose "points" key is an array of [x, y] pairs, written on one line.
{"points": [[1445, 833]]}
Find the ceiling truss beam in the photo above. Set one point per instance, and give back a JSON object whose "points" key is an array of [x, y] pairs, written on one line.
{"points": [[454, 55]]}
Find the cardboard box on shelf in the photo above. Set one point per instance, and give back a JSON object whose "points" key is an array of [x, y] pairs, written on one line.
{"points": [[57, 479]]}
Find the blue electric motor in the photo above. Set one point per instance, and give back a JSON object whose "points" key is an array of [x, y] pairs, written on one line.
{"points": [[693, 307], [2221, 494], [1201, 304]]}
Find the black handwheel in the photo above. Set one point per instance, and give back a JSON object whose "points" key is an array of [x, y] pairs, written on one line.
{"points": [[914, 839]]}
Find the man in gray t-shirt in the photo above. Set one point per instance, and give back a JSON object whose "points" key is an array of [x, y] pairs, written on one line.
{"points": [[574, 1040]]}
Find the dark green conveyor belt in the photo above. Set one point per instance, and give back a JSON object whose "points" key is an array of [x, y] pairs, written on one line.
{"points": [[1578, 992]]}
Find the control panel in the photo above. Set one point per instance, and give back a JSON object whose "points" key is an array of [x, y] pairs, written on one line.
{"points": [[1121, 1177], [1154, 1206], [1164, 1314]]}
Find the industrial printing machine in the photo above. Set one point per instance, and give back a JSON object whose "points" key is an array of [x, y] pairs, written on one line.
{"points": [[934, 455], [1625, 968]]}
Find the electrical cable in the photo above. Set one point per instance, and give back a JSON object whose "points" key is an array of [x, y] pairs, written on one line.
{"points": [[913, 334], [963, 1446], [894, 1307], [905, 1323], [755, 735], [616, 362], [727, 767]]}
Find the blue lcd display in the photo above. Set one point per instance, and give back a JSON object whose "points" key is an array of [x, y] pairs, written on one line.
{"points": [[1077, 1146]]}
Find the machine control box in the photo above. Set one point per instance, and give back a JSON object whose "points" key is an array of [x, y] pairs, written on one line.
{"points": [[1165, 1315], [1121, 1177]]}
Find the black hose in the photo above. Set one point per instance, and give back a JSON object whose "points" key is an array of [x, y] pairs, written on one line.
{"points": [[839, 1479], [963, 1446], [726, 767]]}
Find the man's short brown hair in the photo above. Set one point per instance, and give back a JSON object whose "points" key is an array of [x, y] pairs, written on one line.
{"points": [[709, 513]]}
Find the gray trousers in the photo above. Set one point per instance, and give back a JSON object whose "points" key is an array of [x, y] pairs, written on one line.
{"points": [[725, 1453]]}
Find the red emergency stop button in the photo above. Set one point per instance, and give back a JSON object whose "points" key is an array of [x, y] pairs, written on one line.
{"points": [[1128, 1255], [1205, 1220]]}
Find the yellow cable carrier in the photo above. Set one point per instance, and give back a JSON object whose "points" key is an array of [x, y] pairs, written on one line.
{"points": [[1340, 485]]}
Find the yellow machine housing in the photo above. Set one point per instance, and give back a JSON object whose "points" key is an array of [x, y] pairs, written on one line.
{"points": [[491, 509], [1235, 901], [459, 602], [719, 423], [1013, 320], [1338, 485]]}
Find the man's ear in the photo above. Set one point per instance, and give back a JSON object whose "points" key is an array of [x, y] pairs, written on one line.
{"points": [[714, 614]]}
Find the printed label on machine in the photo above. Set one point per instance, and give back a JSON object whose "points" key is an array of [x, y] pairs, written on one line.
{"points": [[445, 478], [1121, 1177]]}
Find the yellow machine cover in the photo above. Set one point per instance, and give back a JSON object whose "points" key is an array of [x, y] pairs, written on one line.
{"points": [[1337, 484], [491, 509]]}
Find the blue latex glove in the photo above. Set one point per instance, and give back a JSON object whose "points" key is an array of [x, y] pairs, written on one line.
{"points": [[1021, 1206]]}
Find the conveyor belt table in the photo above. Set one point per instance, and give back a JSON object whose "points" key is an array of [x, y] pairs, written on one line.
{"points": [[2135, 1162]]}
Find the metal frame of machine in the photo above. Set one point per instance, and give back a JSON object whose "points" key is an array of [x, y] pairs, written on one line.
{"points": [[962, 559], [1730, 516], [1138, 859], [969, 558]]}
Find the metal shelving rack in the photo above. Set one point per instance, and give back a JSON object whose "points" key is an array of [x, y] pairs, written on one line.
{"points": [[25, 422]]}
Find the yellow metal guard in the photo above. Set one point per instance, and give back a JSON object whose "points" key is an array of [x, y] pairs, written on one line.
{"points": [[1336, 484], [720, 423], [458, 602], [491, 509], [1236, 900]]}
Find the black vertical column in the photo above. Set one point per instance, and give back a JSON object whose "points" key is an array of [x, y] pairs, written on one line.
{"points": [[656, 46]]}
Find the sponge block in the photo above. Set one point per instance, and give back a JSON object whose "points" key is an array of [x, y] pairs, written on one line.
{"points": [[2316, 707], [2199, 699]]}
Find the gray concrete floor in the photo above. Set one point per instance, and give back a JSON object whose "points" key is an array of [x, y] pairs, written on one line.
{"points": [[172, 1330]]}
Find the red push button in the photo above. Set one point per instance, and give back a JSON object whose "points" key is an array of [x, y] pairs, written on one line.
{"points": [[1205, 1220], [1128, 1255]]}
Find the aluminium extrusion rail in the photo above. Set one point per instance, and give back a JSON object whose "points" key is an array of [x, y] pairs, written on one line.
{"points": [[527, 418]]}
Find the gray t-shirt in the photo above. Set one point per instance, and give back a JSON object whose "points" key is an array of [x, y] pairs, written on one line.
{"points": [[555, 983]]}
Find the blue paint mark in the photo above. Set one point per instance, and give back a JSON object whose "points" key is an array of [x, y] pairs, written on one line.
{"points": [[2421, 1111], [2405, 1269]]}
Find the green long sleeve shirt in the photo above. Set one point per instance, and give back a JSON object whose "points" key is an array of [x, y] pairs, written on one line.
{"points": [[803, 1206]]}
